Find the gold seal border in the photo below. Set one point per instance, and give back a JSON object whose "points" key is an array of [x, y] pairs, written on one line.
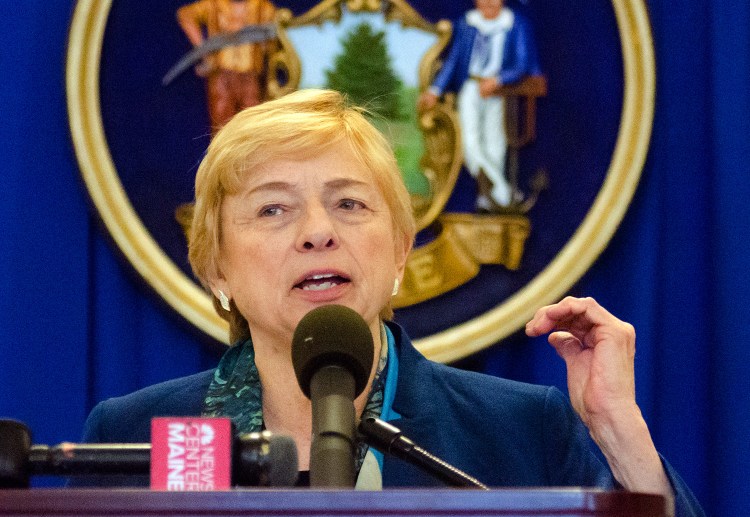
{"points": [[188, 299], [106, 190]]}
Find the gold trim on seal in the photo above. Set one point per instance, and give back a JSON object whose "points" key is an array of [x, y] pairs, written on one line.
{"points": [[188, 299], [106, 190]]}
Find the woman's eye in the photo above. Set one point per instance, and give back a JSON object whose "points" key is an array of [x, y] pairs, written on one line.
{"points": [[350, 204], [270, 211]]}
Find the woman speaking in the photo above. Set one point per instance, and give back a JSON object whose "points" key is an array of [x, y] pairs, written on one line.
{"points": [[299, 204]]}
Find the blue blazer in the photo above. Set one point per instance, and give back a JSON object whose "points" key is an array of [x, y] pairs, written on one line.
{"points": [[520, 57], [502, 432]]}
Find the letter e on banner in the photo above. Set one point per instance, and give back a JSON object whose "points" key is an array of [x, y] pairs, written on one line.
{"points": [[191, 454]]}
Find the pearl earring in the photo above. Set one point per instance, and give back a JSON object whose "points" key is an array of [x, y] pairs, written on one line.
{"points": [[396, 285], [224, 301]]}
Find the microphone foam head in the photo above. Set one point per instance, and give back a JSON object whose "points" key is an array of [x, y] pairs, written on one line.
{"points": [[264, 459], [282, 456], [15, 442], [332, 335]]}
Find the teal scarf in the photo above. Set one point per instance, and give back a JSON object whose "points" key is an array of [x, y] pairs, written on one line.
{"points": [[236, 392]]}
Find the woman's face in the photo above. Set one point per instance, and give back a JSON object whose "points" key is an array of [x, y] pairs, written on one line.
{"points": [[304, 233]]}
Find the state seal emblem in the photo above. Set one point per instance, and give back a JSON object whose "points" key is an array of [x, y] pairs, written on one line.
{"points": [[521, 134]]}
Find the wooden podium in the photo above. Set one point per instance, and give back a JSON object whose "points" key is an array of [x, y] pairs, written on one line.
{"points": [[308, 503]]}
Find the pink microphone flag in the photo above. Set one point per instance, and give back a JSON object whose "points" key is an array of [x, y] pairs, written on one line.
{"points": [[191, 454]]}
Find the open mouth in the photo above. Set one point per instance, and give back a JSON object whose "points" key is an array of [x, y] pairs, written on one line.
{"points": [[321, 282]]}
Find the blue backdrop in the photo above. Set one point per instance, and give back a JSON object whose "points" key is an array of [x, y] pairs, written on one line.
{"points": [[77, 324]]}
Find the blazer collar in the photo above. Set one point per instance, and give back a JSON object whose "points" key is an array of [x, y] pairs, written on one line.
{"points": [[415, 378]]}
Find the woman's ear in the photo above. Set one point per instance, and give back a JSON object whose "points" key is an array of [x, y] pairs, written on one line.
{"points": [[402, 254], [218, 284], [222, 294]]}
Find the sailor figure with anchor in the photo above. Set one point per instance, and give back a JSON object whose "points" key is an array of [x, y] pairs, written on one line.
{"points": [[492, 46]]}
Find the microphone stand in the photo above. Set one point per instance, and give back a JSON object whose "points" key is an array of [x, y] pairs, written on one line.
{"points": [[332, 448]]}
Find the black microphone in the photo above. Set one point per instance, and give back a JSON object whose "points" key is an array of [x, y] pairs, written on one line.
{"points": [[82, 459], [389, 440], [15, 443], [332, 354], [258, 459]]}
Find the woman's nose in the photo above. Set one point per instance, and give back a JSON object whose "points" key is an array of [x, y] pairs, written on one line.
{"points": [[317, 231]]}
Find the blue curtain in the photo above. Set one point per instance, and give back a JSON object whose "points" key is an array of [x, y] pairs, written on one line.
{"points": [[77, 324]]}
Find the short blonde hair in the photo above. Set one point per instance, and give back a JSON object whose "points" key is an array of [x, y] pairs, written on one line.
{"points": [[303, 123]]}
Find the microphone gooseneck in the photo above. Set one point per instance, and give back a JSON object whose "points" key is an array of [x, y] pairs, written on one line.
{"points": [[389, 439], [332, 354]]}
